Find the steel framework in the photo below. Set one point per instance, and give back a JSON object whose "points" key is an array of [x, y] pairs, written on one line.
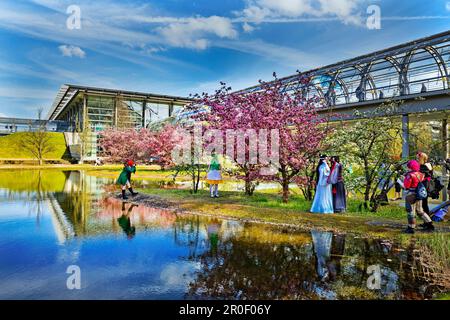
{"points": [[415, 67]]}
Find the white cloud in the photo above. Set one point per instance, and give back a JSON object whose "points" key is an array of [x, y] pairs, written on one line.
{"points": [[447, 6], [193, 32], [247, 27], [258, 11], [72, 51]]}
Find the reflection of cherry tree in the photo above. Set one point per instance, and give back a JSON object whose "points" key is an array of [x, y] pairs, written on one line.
{"points": [[111, 208], [243, 268], [246, 269]]}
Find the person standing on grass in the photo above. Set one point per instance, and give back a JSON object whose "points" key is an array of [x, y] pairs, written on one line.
{"points": [[124, 179], [338, 187], [323, 199], [427, 169], [413, 205], [214, 176], [447, 168], [397, 187]]}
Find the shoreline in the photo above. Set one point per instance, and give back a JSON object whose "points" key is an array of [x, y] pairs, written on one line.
{"points": [[373, 228]]}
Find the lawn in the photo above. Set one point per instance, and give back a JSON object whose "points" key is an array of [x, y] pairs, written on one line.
{"points": [[10, 147], [268, 207]]}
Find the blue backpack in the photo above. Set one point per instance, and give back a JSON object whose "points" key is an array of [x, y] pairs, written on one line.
{"points": [[421, 192]]}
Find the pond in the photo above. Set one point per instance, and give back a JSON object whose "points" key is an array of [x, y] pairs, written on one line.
{"points": [[53, 220]]}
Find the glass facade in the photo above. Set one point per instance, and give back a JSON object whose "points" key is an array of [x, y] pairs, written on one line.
{"points": [[129, 113], [111, 111], [100, 112], [156, 112]]}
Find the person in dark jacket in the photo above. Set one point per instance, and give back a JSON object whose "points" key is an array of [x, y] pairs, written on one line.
{"points": [[124, 179], [337, 181], [427, 169], [410, 184]]}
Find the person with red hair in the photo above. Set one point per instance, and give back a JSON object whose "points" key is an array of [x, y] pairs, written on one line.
{"points": [[413, 205], [124, 179]]}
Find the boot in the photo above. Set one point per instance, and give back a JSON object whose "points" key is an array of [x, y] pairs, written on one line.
{"points": [[132, 192], [124, 197], [409, 230], [428, 226]]}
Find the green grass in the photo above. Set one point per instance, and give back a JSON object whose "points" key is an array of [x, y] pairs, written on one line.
{"points": [[444, 296], [440, 244], [10, 147], [271, 199]]}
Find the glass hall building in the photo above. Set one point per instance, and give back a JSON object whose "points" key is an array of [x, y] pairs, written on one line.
{"points": [[92, 109]]}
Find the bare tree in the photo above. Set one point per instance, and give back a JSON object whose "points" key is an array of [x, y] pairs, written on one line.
{"points": [[37, 140]]}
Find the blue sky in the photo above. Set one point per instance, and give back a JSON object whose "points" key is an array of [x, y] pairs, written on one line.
{"points": [[178, 47]]}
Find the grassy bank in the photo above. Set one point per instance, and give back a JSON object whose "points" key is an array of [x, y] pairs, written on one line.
{"points": [[267, 207], [10, 147]]}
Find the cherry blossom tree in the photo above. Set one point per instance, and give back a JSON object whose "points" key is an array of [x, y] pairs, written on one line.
{"points": [[291, 114], [142, 145]]}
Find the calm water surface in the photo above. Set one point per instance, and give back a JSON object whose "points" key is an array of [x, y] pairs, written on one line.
{"points": [[50, 220]]}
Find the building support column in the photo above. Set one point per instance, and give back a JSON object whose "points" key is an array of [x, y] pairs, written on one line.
{"points": [[116, 114], [83, 142], [171, 109], [85, 113], [144, 114], [445, 153], [405, 136]]}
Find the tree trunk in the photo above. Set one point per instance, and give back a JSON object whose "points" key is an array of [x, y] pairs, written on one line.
{"points": [[248, 188], [367, 194], [198, 178], [309, 193], [285, 186], [193, 181]]}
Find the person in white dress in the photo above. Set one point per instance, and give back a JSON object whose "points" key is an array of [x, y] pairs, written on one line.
{"points": [[323, 199], [214, 176]]}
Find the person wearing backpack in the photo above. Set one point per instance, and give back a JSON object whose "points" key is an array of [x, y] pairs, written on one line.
{"points": [[427, 169], [415, 193]]}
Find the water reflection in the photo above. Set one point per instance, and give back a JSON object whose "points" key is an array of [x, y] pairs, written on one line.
{"points": [[135, 252]]}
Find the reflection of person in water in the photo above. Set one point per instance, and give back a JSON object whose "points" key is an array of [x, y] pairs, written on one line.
{"points": [[337, 251], [125, 221], [322, 247], [213, 234], [329, 252]]}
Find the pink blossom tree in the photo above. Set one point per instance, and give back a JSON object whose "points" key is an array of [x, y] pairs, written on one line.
{"points": [[295, 117], [142, 145]]}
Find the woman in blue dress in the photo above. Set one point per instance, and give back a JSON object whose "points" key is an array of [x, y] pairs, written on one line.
{"points": [[323, 199]]}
